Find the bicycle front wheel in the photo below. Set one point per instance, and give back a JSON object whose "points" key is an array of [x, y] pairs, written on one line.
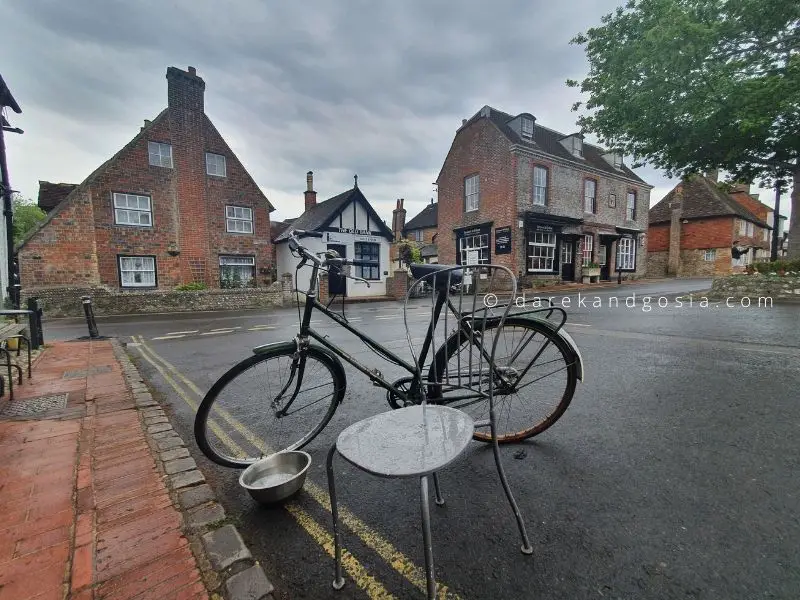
{"points": [[270, 402], [539, 371]]}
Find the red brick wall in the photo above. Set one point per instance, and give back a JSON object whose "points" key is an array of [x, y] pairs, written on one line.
{"points": [[481, 149], [62, 252], [714, 232], [658, 238]]}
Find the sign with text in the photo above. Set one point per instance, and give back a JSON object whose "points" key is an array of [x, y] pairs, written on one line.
{"points": [[367, 238], [336, 238], [502, 240], [473, 257]]}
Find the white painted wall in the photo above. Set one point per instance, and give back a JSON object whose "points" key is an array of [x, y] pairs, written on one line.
{"points": [[287, 263]]}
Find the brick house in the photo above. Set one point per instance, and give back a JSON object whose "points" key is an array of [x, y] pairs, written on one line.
{"points": [[173, 206], [422, 229], [539, 202], [699, 229]]}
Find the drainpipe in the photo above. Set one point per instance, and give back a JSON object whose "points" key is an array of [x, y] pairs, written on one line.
{"points": [[8, 214]]}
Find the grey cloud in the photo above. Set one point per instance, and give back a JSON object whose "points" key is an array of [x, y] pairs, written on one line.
{"points": [[333, 86]]}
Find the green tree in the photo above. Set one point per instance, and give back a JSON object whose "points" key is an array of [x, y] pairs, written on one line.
{"points": [[26, 216], [690, 85]]}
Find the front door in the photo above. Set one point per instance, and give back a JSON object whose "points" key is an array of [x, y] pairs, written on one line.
{"points": [[603, 259], [567, 260], [337, 283]]}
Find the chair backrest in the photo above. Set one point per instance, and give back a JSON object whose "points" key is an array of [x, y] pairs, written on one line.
{"points": [[445, 326]]}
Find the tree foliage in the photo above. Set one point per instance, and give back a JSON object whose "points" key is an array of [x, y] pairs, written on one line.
{"points": [[26, 216], [688, 85]]}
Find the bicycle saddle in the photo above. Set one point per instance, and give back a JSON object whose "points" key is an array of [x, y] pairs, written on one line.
{"points": [[421, 270]]}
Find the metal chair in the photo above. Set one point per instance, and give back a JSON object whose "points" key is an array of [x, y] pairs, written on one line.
{"points": [[421, 439]]}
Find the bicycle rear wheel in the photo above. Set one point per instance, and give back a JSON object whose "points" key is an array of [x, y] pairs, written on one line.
{"points": [[272, 401], [540, 370]]}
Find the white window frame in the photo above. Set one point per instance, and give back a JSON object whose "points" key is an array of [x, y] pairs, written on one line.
{"points": [[577, 146], [541, 251], [236, 221], [601, 255], [710, 254], [234, 260], [626, 254], [472, 192], [130, 208], [373, 271], [526, 127], [587, 199], [478, 242], [159, 154], [742, 227], [213, 166], [587, 246], [749, 229], [417, 235], [128, 270], [630, 206], [539, 186]]}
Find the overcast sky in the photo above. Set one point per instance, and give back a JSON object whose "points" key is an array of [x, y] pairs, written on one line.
{"points": [[335, 86]]}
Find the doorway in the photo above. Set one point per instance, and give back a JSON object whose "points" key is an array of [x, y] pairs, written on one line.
{"points": [[567, 260], [604, 260], [337, 283]]}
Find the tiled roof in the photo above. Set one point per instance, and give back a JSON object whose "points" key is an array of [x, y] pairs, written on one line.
{"points": [[549, 141], [428, 217], [702, 198], [322, 214], [51, 194]]}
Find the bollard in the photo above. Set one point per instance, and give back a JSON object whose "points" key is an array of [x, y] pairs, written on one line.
{"points": [[35, 323], [89, 311]]}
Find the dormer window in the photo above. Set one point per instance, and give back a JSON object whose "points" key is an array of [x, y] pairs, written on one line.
{"points": [[527, 128], [577, 146]]}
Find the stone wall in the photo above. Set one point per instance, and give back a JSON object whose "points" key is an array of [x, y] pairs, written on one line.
{"points": [[756, 286], [66, 301]]}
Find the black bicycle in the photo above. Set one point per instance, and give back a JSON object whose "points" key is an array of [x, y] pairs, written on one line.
{"points": [[284, 395]]}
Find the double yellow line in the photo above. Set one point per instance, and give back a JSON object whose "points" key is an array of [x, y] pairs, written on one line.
{"points": [[371, 538]]}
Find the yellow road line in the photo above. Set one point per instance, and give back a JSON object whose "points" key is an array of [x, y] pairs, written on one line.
{"points": [[373, 540], [352, 566]]}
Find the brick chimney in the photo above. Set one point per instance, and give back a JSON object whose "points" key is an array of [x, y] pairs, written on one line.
{"points": [[310, 194], [741, 187], [398, 220], [713, 175], [674, 256], [185, 90]]}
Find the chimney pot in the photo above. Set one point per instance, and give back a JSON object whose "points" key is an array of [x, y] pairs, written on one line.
{"points": [[192, 71], [463, 122], [310, 195]]}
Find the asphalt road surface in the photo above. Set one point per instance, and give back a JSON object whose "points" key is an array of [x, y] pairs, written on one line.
{"points": [[674, 473]]}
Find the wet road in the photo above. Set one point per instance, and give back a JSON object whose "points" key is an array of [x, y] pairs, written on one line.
{"points": [[672, 475]]}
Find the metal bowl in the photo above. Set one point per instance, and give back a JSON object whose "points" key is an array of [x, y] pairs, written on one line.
{"points": [[276, 477]]}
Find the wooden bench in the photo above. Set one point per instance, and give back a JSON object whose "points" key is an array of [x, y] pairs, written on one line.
{"points": [[9, 331]]}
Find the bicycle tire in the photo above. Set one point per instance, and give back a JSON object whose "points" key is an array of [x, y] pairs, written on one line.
{"points": [[208, 433], [454, 342]]}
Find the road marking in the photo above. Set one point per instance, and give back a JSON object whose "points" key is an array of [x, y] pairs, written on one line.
{"points": [[183, 332], [371, 538], [226, 328], [389, 317], [216, 332], [261, 328], [169, 336], [374, 589], [576, 325]]}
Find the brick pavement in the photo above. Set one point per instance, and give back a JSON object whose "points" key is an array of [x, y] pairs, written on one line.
{"points": [[84, 511]]}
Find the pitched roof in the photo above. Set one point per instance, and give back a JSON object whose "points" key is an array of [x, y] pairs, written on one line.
{"points": [[51, 194], [549, 141], [702, 198], [428, 217], [89, 180], [278, 227], [322, 213]]}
